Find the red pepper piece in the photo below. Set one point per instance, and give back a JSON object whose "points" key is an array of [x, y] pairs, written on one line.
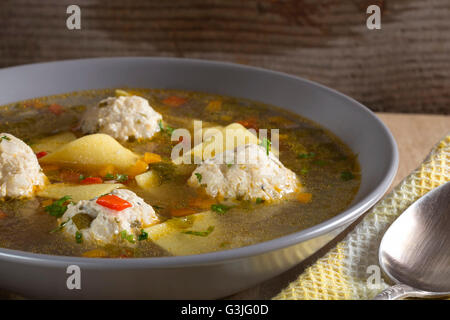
{"points": [[41, 154], [174, 101], [56, 109], [113, 202], [91, 180]]}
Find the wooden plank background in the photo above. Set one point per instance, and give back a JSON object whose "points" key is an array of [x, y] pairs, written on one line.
{"points": [[404, 67]]}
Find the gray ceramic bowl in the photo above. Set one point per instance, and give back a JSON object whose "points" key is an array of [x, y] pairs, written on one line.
{"points": [[211, 275]]}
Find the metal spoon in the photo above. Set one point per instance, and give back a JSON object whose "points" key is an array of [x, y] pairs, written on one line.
{"points": [[415, 250]]}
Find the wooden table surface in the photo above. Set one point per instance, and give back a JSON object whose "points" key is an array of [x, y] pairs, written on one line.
{"points": [[415, 134]]}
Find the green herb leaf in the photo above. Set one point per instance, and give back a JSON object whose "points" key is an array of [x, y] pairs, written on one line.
{"points": [[81, 177], [121, 177], [308, 155], [5, 138], [167, 129], [224, 244], [266, 144], [200, 233], [220, 208], [58, 207], [143, 235], [304, 171], [320, 163], [259, 200], [109, 176], [126, 236], [199, 177], [78, 237], [60, 227], [347, 175]]}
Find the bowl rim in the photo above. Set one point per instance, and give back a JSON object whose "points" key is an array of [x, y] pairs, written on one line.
{"points": [[344, 218]]}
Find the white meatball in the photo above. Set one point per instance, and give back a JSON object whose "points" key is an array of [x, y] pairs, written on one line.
{"points": [[20, 172], [122, 118], [254, 175], [107, 225]]}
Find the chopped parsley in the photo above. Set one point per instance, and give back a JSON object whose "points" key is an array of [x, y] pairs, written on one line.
{"points": [[60, 227], [224, 244], [109, 176], [347, 175], [199, 177], [220, 208], [266, 144], [129, 237], [200, 233], [304, 171], [308, 155], [119, 177], [259, 200], [5, 138], [58, 207], [166, 129], [320, 163], [143, 235], [82, 177], [78, 237], [229, 165]]}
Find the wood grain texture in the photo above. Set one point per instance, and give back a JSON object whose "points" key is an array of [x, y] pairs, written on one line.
{"points": [[404, 67]]}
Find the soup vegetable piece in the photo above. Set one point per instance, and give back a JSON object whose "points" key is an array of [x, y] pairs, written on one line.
{"points": [[123, 118], [110, 188], [20, 172], [253, 173], [116, 217]]}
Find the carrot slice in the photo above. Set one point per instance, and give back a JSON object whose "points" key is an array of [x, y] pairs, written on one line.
{"points": [[250, 123], [139, 167], [56, 109], [304, 197], [174, 101], [113, 202], [91, 180], [2, 215], [152, 158], [214, 106], [202, 203], [109, 169]]}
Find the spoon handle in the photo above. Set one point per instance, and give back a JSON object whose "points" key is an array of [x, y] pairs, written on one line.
{"points": [[398, 291]]}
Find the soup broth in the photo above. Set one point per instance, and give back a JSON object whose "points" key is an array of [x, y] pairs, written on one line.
{"points": [[326, 168]]}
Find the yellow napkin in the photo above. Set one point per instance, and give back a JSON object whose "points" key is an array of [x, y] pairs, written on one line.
{"points": [[349, 271]]}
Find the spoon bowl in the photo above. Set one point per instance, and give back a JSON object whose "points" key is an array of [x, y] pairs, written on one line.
{"points": [[415, 250]]}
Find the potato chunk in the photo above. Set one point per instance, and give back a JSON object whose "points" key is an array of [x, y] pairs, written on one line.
{"points": [[194, 234], [232, 136], [92, 153], [148, 180], [52, 143], [77, 192]]}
